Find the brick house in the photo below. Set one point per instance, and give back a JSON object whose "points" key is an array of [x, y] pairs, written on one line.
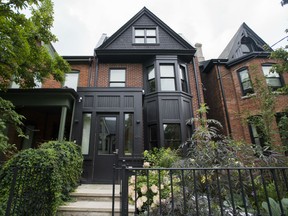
{"points": [[136, 92], [229, 83]]}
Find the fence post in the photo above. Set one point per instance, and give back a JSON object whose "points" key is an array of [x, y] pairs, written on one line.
{"points": [[124, 190]]}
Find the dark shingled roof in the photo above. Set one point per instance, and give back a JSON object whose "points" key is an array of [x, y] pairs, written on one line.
{"points": [[231, 52]]}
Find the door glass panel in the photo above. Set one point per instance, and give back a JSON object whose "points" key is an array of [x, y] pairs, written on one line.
{"points": [[107, 135], [86, 133], [129, 134]]}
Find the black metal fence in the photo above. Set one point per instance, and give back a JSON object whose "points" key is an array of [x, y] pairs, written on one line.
{"points": [[30, 192], [204, 191]]}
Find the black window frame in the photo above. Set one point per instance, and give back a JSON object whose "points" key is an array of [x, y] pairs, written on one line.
{"points": [[119, 82], [274, 88], [145, 37], [167, 77], [151, 80], [175, 142], [245, 91], [183, 78]]}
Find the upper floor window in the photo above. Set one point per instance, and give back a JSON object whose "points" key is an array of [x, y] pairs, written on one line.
{"points": [[182, 72], [71, 80], [245, 81], [167, 77], [37, 83], [273, 79], [151, 79], [145, 35], [117, 77]]}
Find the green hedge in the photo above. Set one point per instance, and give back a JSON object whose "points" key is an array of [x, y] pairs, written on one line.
{"points": [[63, 159]]}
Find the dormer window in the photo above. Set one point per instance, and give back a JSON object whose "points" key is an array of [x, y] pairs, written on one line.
{"points": [[145, 35]]}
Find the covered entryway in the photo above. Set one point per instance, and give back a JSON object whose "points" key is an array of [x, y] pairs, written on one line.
{"points": [[109, 127], [48, 114]]}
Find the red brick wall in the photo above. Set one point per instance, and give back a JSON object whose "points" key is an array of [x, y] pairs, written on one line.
{"points": [[193, 86], [83, 77], [134, 74], [237, 104]]}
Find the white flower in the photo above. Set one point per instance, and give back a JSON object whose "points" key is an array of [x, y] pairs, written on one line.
{"points": [[132, 179], [146, 164], [154, 188], [144, 189], [156, 199], [144, 199], [139, 204]]}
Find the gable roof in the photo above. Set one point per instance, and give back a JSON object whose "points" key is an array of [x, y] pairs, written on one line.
{"points": [[121, 42], [233, 50]]}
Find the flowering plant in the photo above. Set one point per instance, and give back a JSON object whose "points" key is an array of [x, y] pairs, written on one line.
{"points": [[148, 187]]}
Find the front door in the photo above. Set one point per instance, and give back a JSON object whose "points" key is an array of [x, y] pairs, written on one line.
{"points": [[106, 147]]}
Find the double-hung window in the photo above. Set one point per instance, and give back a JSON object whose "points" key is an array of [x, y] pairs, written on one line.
{"points": [[151, 79], [145, 35], [246, 84], [183, 79], [167, 77], [117, 77], [71, 80], [273, 79]]}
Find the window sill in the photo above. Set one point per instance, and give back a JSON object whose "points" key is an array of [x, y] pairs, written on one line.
{"points": [[248, 96], [146, 44]]}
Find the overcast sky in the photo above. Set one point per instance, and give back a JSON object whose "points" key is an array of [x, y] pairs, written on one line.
{"points": [[80, 24]]}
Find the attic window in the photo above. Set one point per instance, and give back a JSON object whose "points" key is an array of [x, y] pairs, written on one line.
{"points": [[145, 35]]}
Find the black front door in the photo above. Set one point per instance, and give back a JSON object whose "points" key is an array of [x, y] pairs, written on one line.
{"points": [[106, 147]]}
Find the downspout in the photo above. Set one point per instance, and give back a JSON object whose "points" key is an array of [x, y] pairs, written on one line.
{"points": [[89, 72], [219, 77], [96, 70]]}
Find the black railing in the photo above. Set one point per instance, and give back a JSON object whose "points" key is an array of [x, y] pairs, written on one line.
{"points": [[204, 191], [30, 192]]}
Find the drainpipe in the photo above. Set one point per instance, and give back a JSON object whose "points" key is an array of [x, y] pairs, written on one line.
{"points": [[96, 70], [219, 77], [89, 72]]}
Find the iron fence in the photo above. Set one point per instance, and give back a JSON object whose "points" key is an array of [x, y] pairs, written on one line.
{"points": [[203, 191], [30, 192]]}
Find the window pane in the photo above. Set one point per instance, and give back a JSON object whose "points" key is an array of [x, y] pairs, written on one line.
{"points": [[183, 79], [86, 133], [139, 32], [107, 135], [245, 82], [139, 40], [151, 40], [273, 82], [167, 71], [151, 72], [152, 86], [71, 80], [129, 134], [117, 75], [172, 135], [151, 32], [167, 84]]}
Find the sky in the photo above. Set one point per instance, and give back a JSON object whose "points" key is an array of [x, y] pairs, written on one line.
{"points": [[79, 25]]}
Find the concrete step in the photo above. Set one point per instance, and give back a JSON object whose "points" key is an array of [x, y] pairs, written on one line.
{"points": [[92, 200]]}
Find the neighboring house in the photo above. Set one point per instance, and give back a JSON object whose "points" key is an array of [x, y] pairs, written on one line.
{"points": [[136, 92], [229, 83]]}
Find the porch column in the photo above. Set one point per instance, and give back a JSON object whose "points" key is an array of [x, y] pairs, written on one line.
{"points": [[62, 123]]}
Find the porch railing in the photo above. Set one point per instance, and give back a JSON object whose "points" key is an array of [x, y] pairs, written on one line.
{"points": [[30, 192], [203, 191]]}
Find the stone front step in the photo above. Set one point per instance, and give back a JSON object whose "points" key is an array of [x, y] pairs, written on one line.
{"points": [[92, 200]]}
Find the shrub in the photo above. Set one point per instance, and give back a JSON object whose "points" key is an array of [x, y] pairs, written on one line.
{"points": [[54, 170], [69, 162]]}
